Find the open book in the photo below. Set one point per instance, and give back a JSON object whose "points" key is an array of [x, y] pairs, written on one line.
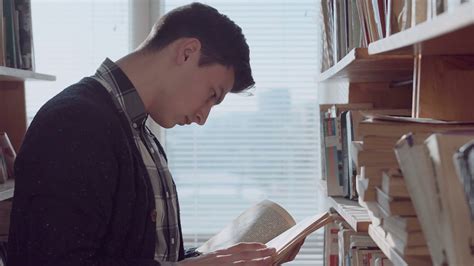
{"points": [[268, 223]]}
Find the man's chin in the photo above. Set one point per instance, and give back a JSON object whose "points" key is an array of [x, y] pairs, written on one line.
{"points": [[164, 124]]}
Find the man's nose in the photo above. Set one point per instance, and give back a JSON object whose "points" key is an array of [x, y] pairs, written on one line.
{"points": [[202, 115]]}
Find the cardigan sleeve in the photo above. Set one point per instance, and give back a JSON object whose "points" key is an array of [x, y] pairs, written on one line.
{"points": [[65, 185]]}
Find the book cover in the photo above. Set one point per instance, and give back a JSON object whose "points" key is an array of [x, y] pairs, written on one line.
{"points": [[3, 168], [464, 165], [457, 227], [345, 177], [10, 47], [25, 34], [331, 244], [8, 152]]}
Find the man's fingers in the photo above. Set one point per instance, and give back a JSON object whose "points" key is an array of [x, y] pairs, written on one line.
{"points": [[243, 254], [246, 254], [241, 247], [255, 262], [245, 246], [256, 254]]}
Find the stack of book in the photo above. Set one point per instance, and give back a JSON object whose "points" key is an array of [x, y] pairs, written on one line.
{"points": [[384, 189], [341, 144], [439, 179]]}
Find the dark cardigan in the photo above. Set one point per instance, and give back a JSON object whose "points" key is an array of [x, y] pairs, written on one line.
{"points": [[82, 193]]}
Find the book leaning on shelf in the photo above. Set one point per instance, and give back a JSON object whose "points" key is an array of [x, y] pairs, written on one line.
{"points": [[464, 164], [268, 223], [7, 158], [439, 195]]}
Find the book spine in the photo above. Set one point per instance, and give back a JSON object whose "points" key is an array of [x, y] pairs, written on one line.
{"points": [[9, 33], [25, 33]]}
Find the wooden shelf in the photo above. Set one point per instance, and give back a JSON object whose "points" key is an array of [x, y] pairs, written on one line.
{"points": [[378, 235], [447, 34], [14, 74], [359, 66], [6, 189], [355, 215]]}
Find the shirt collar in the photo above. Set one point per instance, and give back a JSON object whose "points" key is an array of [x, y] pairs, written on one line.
{"points": [[123, 92]]}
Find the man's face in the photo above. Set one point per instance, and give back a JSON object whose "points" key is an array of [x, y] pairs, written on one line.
{"points": [[192, 95]]}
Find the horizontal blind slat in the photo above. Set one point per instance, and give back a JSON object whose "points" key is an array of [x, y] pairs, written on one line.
{"points": [[264, 146]]}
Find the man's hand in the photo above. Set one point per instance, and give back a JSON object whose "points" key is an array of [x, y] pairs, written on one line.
{"points": [[240, 254]]}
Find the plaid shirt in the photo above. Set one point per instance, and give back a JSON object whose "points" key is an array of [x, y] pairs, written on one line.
{"points": [[166, 215]]}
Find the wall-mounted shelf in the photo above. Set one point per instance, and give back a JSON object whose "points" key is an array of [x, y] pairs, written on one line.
{"points": [[15, 74], [359, 66], [357, 216], [447, 34]]}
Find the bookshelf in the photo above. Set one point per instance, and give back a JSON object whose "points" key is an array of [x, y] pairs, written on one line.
{"points": [[16, 60], [14, 74], [439, 54], [353, 67], [443, 49], [13, 118]]}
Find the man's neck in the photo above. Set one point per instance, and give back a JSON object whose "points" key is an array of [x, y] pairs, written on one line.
{"points": [[145, 71]]}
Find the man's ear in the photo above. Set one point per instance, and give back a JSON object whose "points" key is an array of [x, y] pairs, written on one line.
{"points": [[188, 49]]}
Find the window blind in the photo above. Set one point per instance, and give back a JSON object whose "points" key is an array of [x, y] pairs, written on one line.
{"points": [[71, 39], [260, 146]]}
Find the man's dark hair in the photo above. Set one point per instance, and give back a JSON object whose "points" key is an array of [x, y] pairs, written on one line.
{"points": [[222, 41]]}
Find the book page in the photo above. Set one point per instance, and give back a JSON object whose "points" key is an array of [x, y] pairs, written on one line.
{"points": [[285, 242], [260, 223], [299, 231]]}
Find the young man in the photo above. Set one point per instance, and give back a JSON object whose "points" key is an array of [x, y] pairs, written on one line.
{"points": [[92, 183]]}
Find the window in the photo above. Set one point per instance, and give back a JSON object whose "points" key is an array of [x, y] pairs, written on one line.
{"points": [[262, 146], [71, 39]]}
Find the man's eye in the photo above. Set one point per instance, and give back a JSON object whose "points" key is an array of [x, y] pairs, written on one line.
{"points": [[214, 95]]}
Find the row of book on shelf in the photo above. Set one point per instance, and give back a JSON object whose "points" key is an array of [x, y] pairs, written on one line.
{"points": [[345, 247], [348, 24], [413, 175], [16, 37]]}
